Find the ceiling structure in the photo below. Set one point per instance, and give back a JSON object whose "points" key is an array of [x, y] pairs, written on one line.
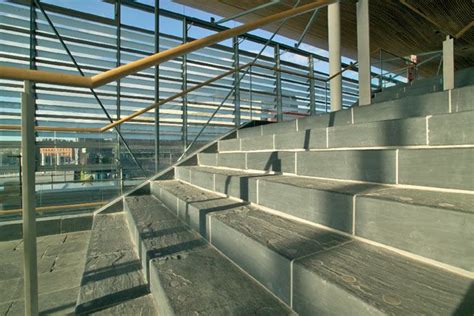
{"points": [[403, 27]]}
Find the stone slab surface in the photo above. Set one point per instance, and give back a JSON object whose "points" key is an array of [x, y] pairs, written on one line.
{"points": [[113, 273], [362, 165], [404, 132], [428, 104], [452, 129], [192, 205], [436, 225], [264, 245], [279, 128], [309, 138], [61, 261], [342, 117], [277, 161], [229, 145], [373, 281], [187, 275], [330, 269], [249, 132], [462, 99], [264, 142], [451, 168]]}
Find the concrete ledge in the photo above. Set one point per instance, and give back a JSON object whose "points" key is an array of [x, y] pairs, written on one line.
{"points": [[362, 165], [429, 224], [441, 168], [47, 226], [185, 273]]}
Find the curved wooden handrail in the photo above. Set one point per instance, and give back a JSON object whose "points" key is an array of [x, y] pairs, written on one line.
{"points": [[154, 105], [155, 59]]}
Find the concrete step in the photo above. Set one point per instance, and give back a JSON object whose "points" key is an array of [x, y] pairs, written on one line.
{"points": [[113, 280], [446, 168], [431, 224], [188, 276], [407, 107], [462, 78], [314, 270], [443, 129]]}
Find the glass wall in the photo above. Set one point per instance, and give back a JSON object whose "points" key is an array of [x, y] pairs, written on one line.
{"points": [[83, 170]]}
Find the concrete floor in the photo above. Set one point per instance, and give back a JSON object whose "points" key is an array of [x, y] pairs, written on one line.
{"points": [[61, 260]]}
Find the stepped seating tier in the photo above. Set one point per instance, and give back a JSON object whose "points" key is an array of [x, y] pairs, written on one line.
{"points": [[365, 211]]}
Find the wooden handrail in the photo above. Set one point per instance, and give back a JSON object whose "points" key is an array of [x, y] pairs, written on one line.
{"points": [[171, 98], [54, 207], [153, 60], [53, 129], [157, 104]]}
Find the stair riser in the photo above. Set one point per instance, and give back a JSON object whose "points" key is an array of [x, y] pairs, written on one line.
{"points": [[328, 297], [408, 227], [245, 252], [445, 129], [266, 266], [405, 166], [412, 106], [439, 234]]}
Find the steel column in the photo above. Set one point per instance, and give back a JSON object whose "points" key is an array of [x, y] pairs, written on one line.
{"points": [[448, 63], [235, 42], [157, 87], [363, 52], [334, 30], [185, 86], [278, 96], [28, 162], [312, 92], [117, 17]]}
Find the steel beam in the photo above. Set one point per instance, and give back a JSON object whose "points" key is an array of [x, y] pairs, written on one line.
{"points": [[235, 43], [278, 96], [363, 52], [157, 87], [185, 87], [448, 63], [28, 162], [334, 30], [311, 81]]}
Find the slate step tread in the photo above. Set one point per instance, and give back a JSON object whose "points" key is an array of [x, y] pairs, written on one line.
{"points": [[142, 306], [381, 279], [113, 276], [462, 202], [188, 275]]}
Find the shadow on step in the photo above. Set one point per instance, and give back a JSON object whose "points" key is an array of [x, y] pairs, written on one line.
{"points": [[175, 249], [111, 271], [110, 287], [112, 299], [467, 305]]}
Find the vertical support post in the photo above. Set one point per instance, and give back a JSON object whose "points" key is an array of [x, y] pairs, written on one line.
{"points": [[251, 94], [118, 57], [157, 87], [381, 70], [279, 103], [334, 30], [312, 92], [185, 86], [448, 63], [32, 36], [235, 43], [363, 52], [28, 200], [326, 96]]}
